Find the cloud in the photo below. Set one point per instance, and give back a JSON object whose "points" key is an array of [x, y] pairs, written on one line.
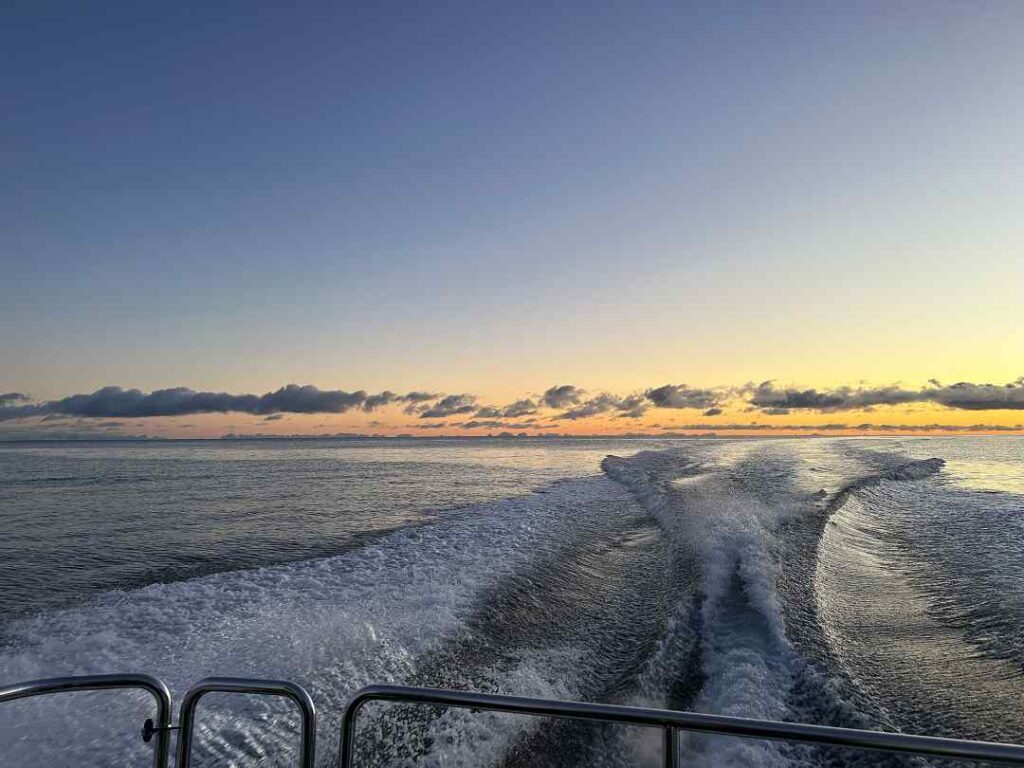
{"points": [[569, 402], [115, 402], [562, 396], [767, 396], [373, 402], [981, 397], [273, 417], [517, 409], [631, 406], [592, 407], [452, 405], [520, 408], [963, 396], [419, 397], [683, 396], [418, 402], [387, 397], [837, 427], [309, 399], [9, 412]]}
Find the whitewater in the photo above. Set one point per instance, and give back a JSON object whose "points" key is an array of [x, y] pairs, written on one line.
{"points": [[852, 582]]}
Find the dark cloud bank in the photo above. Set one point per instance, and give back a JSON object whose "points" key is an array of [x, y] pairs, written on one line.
{"points": [[563, 402], [963, 395], [115, 402]]}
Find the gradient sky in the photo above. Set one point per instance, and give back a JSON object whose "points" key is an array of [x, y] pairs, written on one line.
{"points": [[495, 199]]}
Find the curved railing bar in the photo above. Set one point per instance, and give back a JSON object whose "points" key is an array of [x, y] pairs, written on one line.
{"points": [[671, 721], [152, 685], [296, 693]]}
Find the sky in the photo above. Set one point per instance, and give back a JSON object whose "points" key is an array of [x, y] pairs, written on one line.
{"points": [[497, 200]]}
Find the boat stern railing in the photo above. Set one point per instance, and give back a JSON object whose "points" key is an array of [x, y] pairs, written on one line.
{"points": [[669, 721], [161, 728]]}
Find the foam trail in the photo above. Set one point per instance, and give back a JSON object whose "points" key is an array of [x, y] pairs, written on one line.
{"points": [[747, 657], [332, 625], [745, 653], [729, 510]]}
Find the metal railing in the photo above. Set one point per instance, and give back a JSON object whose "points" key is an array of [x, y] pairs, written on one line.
{"points": [[670, 722], [147, 683], [162, 727]]}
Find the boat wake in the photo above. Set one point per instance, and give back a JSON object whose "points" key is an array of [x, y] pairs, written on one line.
{"points": [[796, 580]]}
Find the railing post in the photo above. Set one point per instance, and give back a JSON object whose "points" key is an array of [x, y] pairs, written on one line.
{"points": [[346, 748], [671, 748]]}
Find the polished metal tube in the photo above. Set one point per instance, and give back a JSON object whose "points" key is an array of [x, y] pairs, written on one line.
{"points": [[152, 685]]}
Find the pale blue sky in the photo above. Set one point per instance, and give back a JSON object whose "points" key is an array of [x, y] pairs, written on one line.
{"points": [[499, 198]]}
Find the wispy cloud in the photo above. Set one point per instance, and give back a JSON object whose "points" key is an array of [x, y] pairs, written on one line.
{"points": [[515, 410], [452, 405], [629, 406], [385, 398], [562, 396]]}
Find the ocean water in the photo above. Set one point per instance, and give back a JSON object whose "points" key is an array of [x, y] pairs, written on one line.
{"points": [[854, 582]]}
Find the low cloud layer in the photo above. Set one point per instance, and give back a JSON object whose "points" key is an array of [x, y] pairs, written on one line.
{"points": [[115, 402], [560, 403], [841, 427], [963, 396]]}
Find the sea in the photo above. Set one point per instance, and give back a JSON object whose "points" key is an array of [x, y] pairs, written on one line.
{"points": [[859, 582]]}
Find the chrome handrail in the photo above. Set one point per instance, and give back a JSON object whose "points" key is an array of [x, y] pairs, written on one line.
{"points": [[147, 683], [672, 721], [289, 690], [669, 721]]}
